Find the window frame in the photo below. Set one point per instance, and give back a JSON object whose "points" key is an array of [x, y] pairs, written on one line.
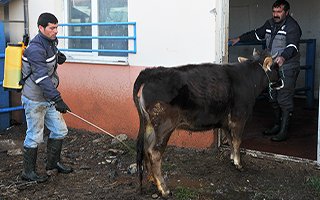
{"points": [[88, 57]]}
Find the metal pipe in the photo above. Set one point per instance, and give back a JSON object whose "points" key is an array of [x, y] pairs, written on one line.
{"points": [[4, 110], [99, 50], [102, 37], [98, 37], [98, 24], [26, 17]]}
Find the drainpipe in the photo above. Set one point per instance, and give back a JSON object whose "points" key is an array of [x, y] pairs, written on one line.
{"points": [[26, 22]]}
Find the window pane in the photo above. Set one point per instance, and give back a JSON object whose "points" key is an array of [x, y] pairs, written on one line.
{"points": [[113, 11], [80, 12]]}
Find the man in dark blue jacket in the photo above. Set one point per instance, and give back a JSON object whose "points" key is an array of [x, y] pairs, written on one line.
{"points": [[282, 35], [41, 100]]}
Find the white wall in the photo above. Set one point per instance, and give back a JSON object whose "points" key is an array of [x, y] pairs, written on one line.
{"points": [[173, 33], [169, 33], [36, 7]]}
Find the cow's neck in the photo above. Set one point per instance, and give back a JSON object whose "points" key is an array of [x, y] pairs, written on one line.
{"points": [[261, 80]]}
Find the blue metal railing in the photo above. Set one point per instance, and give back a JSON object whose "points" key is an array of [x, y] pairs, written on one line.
{"points": [[134, 50], [309, 67], [134, 37], [9, 109]]}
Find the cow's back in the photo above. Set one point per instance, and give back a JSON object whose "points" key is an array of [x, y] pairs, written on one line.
{"points": [[202, 93]]}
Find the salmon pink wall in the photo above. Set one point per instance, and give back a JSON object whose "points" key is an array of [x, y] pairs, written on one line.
{"points": [[102, 94]]}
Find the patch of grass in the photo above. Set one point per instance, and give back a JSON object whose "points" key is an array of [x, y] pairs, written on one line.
{"points": [[183, 193], [314, 182], [168, 167], [130, 147]]}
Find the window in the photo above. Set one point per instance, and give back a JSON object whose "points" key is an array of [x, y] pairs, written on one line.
{"points": [[96, 11], [80, 12]]}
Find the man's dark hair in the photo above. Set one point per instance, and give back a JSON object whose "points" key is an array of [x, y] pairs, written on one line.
{"points": [[279, 3], [46, 18]]}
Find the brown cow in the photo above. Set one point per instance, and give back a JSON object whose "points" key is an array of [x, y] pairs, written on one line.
{"points": [[196, 98]]}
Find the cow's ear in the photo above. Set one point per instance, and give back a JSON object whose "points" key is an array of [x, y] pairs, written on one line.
{"points": [[267, 63], [242, 59]]}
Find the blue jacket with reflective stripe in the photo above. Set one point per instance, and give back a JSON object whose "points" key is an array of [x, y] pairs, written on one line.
{"points": [[286, 39], [40, 59]]}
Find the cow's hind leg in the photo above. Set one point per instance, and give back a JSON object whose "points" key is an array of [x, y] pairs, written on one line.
{"points": [[149, 141], [155, 161], [155, 152]]}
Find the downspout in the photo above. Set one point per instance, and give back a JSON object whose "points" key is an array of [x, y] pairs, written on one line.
{"points": [[26, 22]]}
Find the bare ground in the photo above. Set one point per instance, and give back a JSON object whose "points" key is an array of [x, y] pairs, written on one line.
{"points": [[102, 172]]}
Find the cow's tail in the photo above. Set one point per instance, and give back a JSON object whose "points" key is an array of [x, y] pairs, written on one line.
{"points": [[139, 103]]}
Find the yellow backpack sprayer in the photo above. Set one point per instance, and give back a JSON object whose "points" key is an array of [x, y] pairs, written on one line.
{"points": [[13, 66]]}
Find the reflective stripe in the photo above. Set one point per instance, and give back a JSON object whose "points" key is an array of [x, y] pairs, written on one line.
{"points": [[268, 30], [25, 58], [48, 60], [282, 32], [40, 79], [257, 36], [292, 45], [51, 59]]}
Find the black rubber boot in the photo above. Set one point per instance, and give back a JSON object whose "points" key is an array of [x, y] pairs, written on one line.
{"points": [[283, 134], [277, 120], [54, 147], [29, 166]]}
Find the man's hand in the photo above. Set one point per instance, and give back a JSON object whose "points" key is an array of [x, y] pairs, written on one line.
{"points": [[61, 106], [279, 60], [61, 58]]}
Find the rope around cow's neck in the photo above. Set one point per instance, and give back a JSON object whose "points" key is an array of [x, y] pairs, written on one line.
{"points": [[97, 127], [270, 83]]}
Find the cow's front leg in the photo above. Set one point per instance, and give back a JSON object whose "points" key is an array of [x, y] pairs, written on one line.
{"points": [[236, 134], [236, 126], [236, 152], [227, 134]]}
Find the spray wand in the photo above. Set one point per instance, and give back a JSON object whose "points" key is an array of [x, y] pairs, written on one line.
{"points": [[97, 127]]}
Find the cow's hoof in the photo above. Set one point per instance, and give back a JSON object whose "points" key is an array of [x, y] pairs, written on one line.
{"points": [[239, 167], [166, 194]]}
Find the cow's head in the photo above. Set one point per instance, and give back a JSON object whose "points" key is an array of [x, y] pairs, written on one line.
{"points": [[264, 60]]}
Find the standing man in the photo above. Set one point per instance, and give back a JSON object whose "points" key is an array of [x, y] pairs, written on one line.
{"points": [[41, 100], [282, 35]]}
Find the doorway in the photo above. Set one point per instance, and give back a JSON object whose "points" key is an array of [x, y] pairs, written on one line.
{"points": [[246, 15]]}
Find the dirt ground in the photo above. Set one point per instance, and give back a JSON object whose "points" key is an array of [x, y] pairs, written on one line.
{"points": [[102, 171]]}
